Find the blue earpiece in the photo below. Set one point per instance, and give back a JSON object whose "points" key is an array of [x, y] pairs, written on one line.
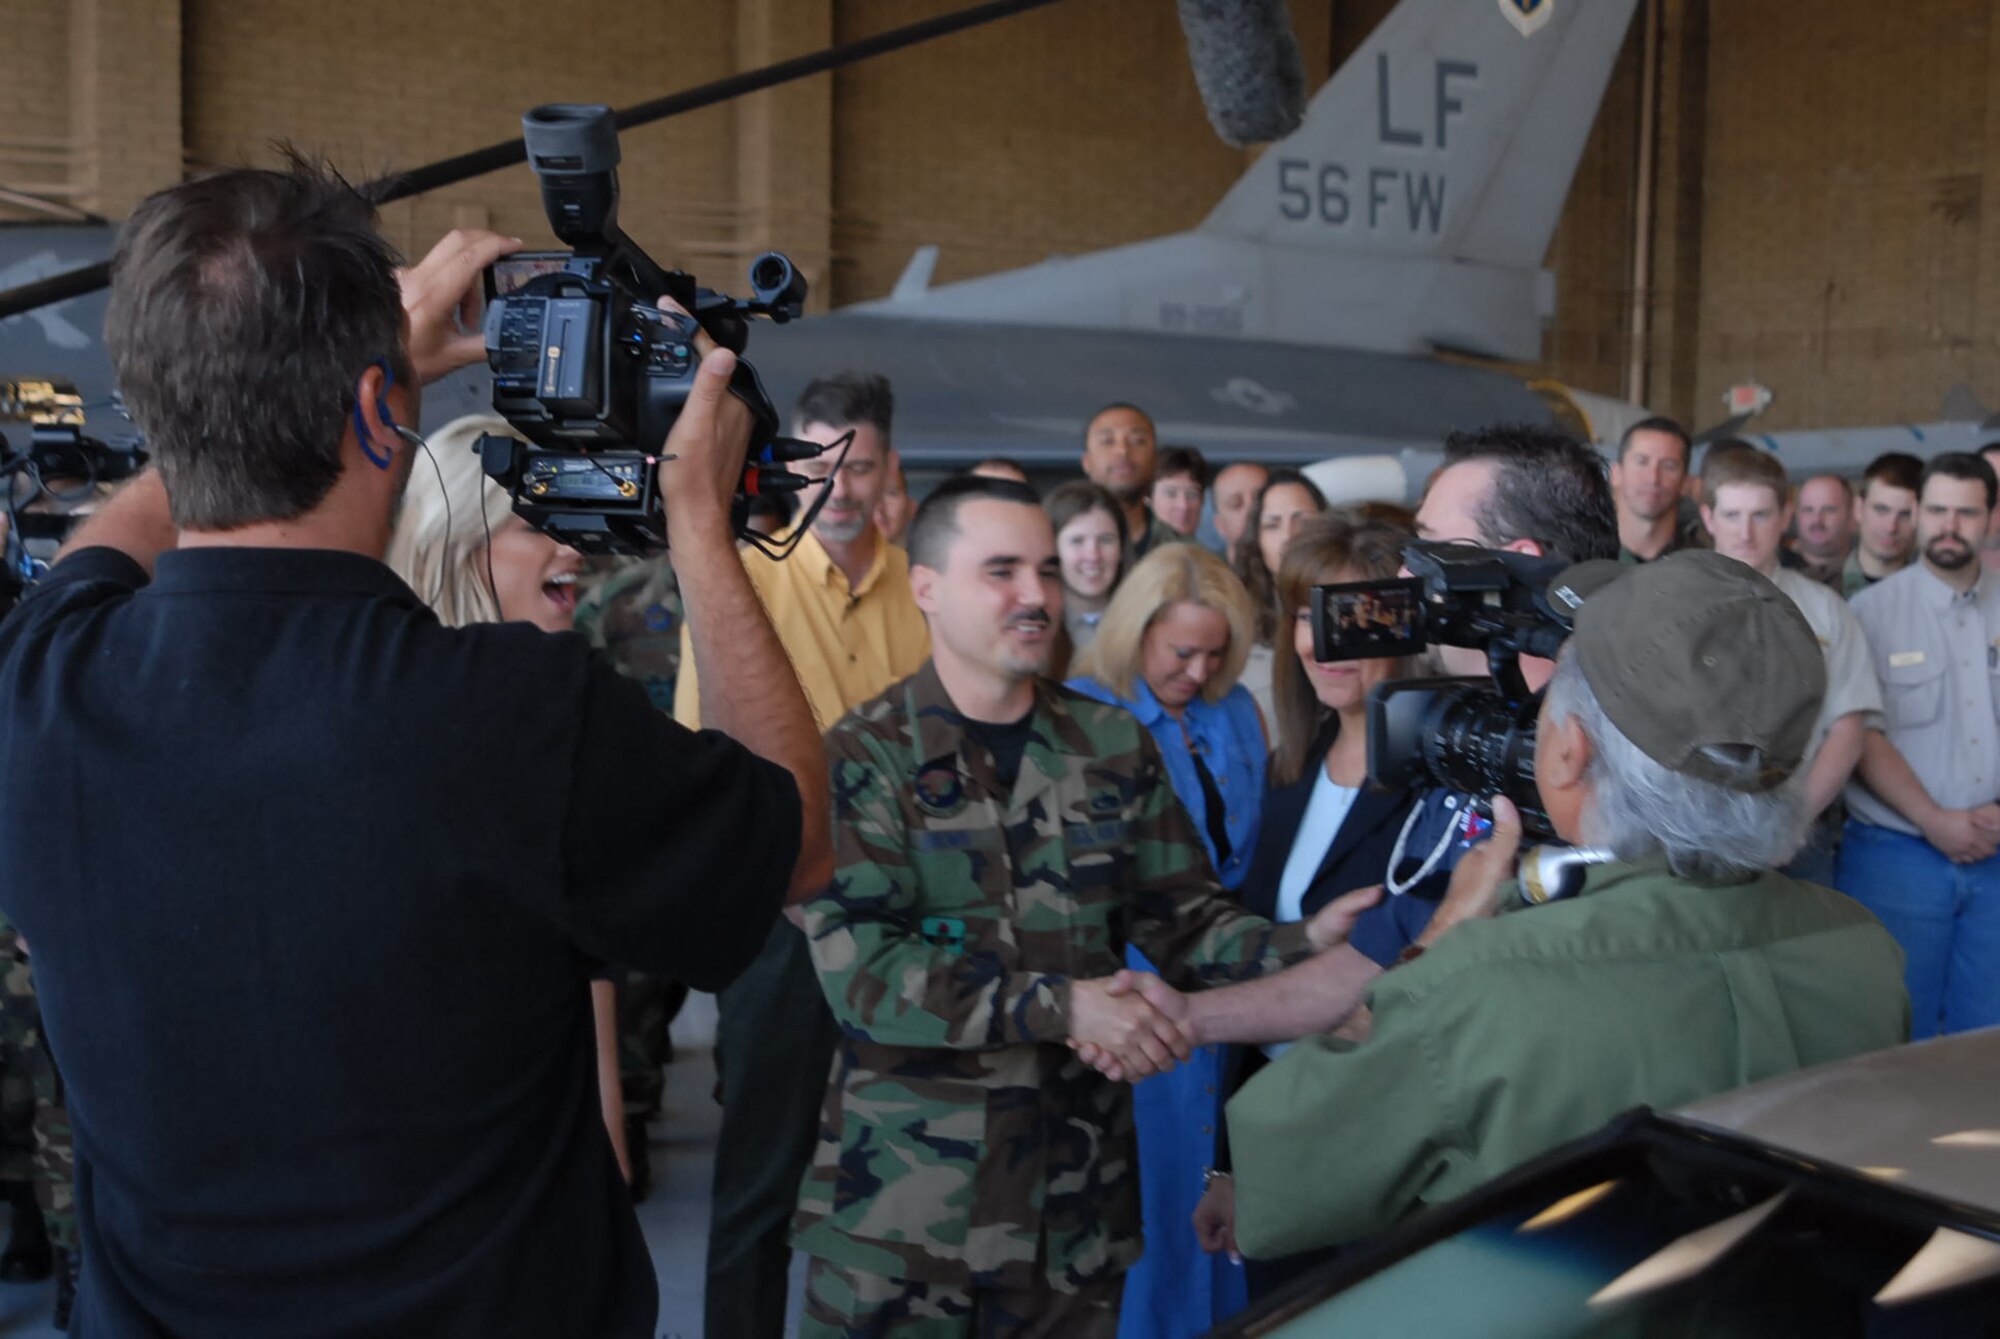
{"points": [[380, 460]]}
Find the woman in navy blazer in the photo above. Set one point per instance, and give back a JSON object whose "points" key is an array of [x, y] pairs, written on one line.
{"points": [[1325, 829]]}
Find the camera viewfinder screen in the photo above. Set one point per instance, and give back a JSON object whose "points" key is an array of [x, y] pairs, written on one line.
{"points": [[1364, 619], [510, 272]]}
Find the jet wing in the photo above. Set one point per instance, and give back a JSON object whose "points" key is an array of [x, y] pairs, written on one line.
{"points": [[966, 390]]}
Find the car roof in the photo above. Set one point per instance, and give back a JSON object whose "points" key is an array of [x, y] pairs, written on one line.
{"points": [[1924, 1117]]}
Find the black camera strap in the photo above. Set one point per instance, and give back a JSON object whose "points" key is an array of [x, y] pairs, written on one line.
{"points": [[759, 476]]}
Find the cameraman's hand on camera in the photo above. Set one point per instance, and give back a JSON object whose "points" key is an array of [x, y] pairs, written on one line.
{"points": [[748, 688], [441, 295], [1965, 836], [1474, 893], [1117, 1029], [1334, 922], [708, 443]]}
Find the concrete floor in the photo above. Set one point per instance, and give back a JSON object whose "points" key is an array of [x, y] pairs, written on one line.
{"points": [[674, 1216]]}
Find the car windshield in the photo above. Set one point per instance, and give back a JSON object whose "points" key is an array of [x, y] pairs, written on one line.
{"points": [[1659, 1245]]}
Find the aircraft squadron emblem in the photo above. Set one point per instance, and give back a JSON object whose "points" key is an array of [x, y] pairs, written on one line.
{"points": [[1527, 16]]}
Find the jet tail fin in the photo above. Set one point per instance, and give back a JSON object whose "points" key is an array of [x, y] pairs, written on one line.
{"points": [[915, 279], [1452, 133], [1961, 405]]}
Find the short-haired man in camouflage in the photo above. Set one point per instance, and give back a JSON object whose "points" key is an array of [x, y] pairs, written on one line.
{"points": [[999, 841]]}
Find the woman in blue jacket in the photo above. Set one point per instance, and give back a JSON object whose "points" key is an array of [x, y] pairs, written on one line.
{"points": [[1169, 650]]}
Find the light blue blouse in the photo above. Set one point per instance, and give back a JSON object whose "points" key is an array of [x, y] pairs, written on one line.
{"points": [[1232, 746]]}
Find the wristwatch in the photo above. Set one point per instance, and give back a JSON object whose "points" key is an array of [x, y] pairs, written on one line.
{"points": [[1210, 1175]]}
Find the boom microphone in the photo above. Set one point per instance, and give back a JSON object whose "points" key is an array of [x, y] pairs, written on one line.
{"points": [[1247, 67]]}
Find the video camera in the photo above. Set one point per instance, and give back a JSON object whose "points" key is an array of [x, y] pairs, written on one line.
{"points": [[60, 466], [589, 368], [1475, 736]]}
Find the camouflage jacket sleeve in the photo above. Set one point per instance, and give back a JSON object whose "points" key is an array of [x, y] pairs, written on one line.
{"points": [[884, 980], [1194, 931]]}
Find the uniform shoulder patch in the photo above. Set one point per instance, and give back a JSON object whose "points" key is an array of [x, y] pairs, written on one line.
{"points": [[939, 789]]}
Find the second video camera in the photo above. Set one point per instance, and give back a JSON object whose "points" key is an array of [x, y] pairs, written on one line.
{"points": [[51, 478], [589, 368], [1472, 735]]}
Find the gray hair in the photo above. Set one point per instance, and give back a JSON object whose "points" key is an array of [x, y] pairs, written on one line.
{"points": [[1639, 807]]}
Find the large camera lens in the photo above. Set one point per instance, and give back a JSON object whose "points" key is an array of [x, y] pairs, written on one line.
{"points": [[1456, 734]]}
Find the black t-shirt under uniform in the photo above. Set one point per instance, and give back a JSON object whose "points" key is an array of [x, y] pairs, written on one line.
{"points": [[313, 885]]}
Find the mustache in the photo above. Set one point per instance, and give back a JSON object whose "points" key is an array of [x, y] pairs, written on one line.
{"points": [[1038, 617]]}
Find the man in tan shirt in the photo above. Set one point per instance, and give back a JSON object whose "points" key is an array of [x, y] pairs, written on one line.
{"points": [[1922, 846], [844, 613], [1746, 507]]}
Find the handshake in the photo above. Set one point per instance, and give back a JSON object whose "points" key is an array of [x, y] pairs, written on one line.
{"points": [[1132, 1025]]}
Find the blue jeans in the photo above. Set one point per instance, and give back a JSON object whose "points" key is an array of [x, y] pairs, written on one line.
{"points": [[1946, 917]]}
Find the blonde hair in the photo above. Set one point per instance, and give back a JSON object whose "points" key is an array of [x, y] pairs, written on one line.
{"points": [[1165, 577], [446, 521]]}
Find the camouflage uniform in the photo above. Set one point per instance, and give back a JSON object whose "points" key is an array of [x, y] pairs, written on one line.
{"points": [[962, 1144], [55, 1155], [35, 1144], [845, 1301], [632, 613], [20, 1040]]}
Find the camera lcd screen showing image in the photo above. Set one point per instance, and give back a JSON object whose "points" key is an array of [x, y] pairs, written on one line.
{"points": [[508, 273], [1365, 619]]}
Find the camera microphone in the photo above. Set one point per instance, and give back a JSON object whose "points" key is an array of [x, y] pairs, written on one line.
{"points": [[1247, 67]]}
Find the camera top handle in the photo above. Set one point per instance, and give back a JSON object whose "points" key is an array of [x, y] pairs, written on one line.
{"points": [[573, 148], [1495, 600]]}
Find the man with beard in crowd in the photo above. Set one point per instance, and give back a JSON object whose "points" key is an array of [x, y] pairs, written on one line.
{"points": [[1919, 849]]}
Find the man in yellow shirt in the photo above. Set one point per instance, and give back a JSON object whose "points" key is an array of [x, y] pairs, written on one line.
{"points": [[844, 613]]}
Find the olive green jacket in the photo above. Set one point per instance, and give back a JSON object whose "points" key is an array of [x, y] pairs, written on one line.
{"points": [[1514, 1035]]}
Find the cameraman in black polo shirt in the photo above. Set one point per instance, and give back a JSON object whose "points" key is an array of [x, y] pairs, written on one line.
{"points": [[313, 882]]}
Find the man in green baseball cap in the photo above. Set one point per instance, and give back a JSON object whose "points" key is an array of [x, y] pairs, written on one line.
{"points": [[1670, 743]]}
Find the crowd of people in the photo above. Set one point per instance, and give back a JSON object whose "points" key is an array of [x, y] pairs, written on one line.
{"points": [[1066, 954], [1892, 572]]}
